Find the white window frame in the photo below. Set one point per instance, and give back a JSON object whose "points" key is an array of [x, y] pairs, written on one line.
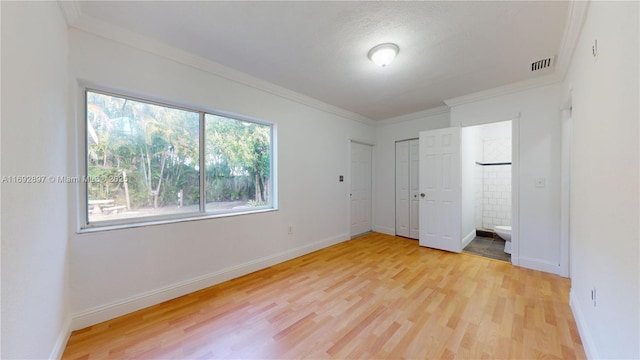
{"points": [[202, 213]]}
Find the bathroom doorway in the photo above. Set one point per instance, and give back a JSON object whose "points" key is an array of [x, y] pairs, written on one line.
{"points": [[486, 160]]}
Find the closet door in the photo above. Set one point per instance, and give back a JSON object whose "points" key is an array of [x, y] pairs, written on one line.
{"points": [[414, 189], [402, 188], [407, 188]]}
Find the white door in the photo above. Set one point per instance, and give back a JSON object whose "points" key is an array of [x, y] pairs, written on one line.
{"points": [[360, 188], [407, 188], [402, 188], [414, 189], [440, 212]]}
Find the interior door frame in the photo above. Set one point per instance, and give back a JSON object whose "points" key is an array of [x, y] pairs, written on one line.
{"points": [[515, 189], [350, 142], [515, 180], [565, 186]]}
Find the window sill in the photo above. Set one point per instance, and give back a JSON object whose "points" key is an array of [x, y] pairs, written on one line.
{"points": [[105, 226]]}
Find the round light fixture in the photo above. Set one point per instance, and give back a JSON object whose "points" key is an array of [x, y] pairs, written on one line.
{"points": [[383, 54]]}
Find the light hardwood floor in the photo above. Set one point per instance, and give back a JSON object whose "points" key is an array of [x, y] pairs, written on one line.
{"points": [[376, 296]]}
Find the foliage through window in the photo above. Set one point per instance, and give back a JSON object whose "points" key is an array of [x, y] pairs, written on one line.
{"points": [[144, 161]]}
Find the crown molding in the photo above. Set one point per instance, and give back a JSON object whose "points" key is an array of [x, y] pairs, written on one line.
{"points": [[443, 109], [83, 22], [70, 11], [575, 19], [504, 90]]}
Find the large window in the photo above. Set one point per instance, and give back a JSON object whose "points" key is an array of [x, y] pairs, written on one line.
{"points": [[144, 161]]}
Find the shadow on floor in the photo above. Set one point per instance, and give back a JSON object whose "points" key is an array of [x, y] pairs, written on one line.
{"points": [[488, 247]]}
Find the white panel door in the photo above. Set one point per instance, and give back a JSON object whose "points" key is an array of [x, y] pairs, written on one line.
{"points": [[407, 188], [414, 189], [402, 188], [360, 188], [440, 212]]}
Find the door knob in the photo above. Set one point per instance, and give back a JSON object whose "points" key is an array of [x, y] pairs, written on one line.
{"points": [[421, 194]]}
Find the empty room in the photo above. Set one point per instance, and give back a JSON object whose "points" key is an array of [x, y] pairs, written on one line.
{"points": [[320, 180]]}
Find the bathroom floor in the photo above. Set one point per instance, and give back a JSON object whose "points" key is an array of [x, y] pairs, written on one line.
{"points": [[488, 247]]}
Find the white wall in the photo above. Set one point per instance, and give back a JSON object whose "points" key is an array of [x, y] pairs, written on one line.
{"points": [[384, 168], [35, 222], [499, 130], [113, 272], [539, 148], [605, 181]]}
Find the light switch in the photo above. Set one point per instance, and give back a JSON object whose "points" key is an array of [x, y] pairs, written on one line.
{"points": [[341, 178], [540, 182]]}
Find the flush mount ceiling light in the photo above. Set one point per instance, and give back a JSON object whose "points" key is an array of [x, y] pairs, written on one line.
{"points": [[383, 54]]}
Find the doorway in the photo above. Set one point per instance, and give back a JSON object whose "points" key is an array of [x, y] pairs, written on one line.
{"points": [[361, 188], [450, 161], [486, 164]]}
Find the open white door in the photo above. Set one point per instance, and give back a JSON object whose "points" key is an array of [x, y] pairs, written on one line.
{"points": [[440, 212]]}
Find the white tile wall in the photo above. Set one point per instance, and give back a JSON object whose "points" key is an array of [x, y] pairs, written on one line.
{"points": [[496, 150], [479, 192], [493, 185]]}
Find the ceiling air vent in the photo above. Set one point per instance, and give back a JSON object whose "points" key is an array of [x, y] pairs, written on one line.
{"points": [[541, 64]]}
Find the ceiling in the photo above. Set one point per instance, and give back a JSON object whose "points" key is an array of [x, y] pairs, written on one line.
{"points": [[319, 49]]}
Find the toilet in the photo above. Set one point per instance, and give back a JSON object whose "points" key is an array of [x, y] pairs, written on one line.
{"points": [[504, 231]]}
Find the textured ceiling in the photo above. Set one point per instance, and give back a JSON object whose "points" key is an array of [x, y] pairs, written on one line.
{"points": [[319, 49]]}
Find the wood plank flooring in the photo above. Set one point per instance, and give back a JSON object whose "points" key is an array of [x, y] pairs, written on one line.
{"points": [[376, 296]]}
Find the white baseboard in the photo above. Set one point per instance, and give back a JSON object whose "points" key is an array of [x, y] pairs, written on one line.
{"points": [[385, 230], [585, 335], [118, 308], [61, 341], [540, 265], [467, 239]]}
